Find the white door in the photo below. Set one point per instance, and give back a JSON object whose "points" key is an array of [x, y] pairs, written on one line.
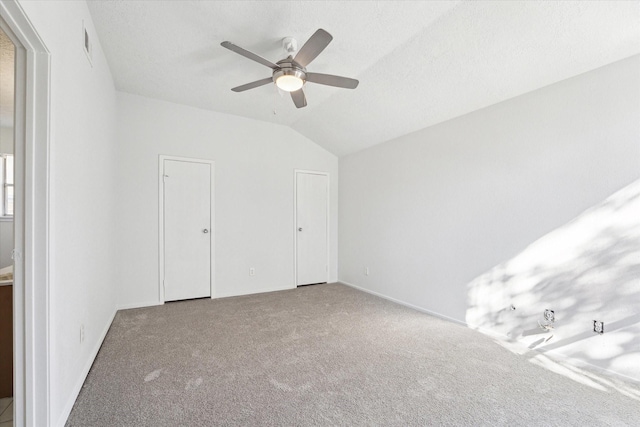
{"points": [[187, 230], [312, 200]]}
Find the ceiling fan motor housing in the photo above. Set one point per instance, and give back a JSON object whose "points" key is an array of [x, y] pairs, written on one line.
{"points": [[288, 67]]}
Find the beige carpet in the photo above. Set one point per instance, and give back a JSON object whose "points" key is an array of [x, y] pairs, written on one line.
{"points": [[322, 355]]}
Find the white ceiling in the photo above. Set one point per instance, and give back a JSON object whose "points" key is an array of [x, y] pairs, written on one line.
{"points": [[419, 63]]}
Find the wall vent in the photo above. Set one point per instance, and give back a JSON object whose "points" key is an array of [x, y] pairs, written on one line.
{"points": [[88, 47]]}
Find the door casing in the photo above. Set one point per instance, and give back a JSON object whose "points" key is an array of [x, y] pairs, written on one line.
{"points": [[32, 389]]}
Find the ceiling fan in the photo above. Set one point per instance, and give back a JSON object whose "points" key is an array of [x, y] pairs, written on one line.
{"points": [[290, 74]]}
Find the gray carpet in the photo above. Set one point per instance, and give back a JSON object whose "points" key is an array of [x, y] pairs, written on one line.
{"points": [[322, 355]]}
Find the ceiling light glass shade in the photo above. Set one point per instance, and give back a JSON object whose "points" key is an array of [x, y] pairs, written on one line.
{"points": [[289, 83]]}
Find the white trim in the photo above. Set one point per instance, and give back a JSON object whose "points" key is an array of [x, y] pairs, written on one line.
{"points": [[161, 159], [522, 348], [295, 221], [139, 305], [406, 304], [31, 220], [257, 291], [580, 363], [485, 331], [75, 391]]}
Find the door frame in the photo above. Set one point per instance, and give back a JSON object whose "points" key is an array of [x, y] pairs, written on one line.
{"points": [[31, 219], [212, 277], [295, 220]]}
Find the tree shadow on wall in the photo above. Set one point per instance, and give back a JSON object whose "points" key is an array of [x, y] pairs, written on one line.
{"points": [[586, 270]]}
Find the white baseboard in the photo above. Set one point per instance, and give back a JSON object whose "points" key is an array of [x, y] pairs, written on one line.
{"points": [[406, 304], [256, 291], [504, 338], [579, 363], [248, 292], [139, 305], [66, 411]]}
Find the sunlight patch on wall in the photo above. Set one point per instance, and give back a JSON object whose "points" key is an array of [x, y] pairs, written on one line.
{"points": [[585, 270]]}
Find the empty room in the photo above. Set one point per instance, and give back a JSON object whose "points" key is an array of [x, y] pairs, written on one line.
{"points": [[279, 213]]}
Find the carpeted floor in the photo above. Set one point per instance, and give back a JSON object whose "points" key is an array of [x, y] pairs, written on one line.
{"points": [[322, 355]]}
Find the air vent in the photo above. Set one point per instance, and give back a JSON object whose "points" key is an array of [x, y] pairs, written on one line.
{"points": [[88, 47]]}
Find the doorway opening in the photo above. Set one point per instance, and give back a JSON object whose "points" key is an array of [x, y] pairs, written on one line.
{"points": [[7, 244], [30, 204]]}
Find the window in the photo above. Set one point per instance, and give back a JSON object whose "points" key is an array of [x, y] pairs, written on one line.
{"points": [[6, 187]]}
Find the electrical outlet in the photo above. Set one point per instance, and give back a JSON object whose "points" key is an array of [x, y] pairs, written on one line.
{"points": [[252, 271], [81, 334], [366, 271], [549, 317], [598, 327]]}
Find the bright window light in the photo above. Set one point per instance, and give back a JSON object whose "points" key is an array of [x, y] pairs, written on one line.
{"points": [[6, 185]]}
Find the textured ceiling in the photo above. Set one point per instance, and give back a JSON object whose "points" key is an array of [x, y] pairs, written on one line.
{"points": [[419, 63], [6, 80]]}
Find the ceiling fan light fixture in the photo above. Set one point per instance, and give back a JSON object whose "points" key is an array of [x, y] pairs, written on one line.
{"points": [[290, 74], [289, 78], [289, 83]]}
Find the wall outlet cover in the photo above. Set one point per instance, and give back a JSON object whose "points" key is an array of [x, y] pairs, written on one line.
{"points": [[549, 315], [598, 327]]}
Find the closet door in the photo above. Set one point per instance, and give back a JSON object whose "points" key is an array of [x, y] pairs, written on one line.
{"points": [[312, 201], [187, 230]]}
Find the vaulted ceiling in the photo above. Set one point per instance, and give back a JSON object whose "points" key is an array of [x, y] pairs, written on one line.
{"points": [[419, 63]]}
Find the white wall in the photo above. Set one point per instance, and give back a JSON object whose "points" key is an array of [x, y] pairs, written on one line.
{"points": [[431, 212], [254, 176], [82, 209]]}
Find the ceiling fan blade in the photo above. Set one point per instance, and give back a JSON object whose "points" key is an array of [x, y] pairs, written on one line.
{"points": [[251, 85], [298, 98], [250, 55], [312, 48], [331, 80]]}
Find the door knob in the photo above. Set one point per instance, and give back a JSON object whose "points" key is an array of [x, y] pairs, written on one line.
{"points": [[299, 228], [205, 231]]}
